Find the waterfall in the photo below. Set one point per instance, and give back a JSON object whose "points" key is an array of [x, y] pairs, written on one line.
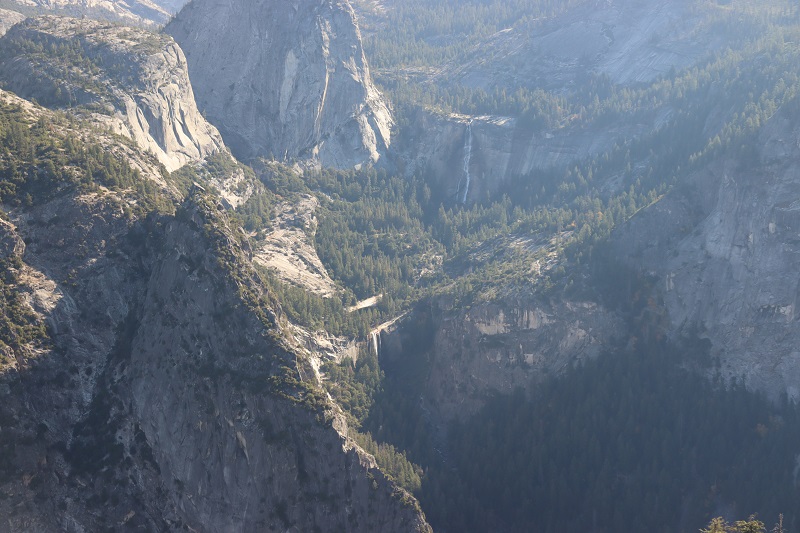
{"points": [[375, 341], [467, 157]]}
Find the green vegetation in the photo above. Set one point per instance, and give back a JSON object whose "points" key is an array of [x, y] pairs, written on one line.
{"points": [[622, 442], [382, 234], [76, 65], [44, 158], [255, 213], [617, 444], [392, 462], [65, 75], [413, 37], [19, 326], [751, 525], [315, 312], [354, 386], [371, 233], [426, 32]]}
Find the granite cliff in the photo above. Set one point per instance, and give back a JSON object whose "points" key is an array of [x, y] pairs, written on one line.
{"points": [[500, 149], [129, 80], [285, 79], [151, 382], [469, 355], [723, 249], [149, 377]]}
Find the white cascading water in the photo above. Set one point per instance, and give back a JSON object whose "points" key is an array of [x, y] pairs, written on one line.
{"points": [[467, 157], [375, 341]]}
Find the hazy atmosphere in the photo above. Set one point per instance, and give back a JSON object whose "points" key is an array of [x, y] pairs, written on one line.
{"points": [[460, 266]]}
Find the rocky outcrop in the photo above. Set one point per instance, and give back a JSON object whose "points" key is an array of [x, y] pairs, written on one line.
{"points": [[9, 18], [724, 249], [161, 388], [629, 41], [285, 79], [494, 348], [239, 425], [500, 149], [287, 249], [50, 390], [148, 166], [170, 398], [130, 80]]}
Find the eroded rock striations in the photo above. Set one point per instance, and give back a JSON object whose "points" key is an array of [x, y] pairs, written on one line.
{"points": [[724, 249], [285, 79], [127, 79], [501, 149], [151, 383], [494, 348]]}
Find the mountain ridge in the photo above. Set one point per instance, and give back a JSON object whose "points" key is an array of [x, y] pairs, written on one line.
{"points": [[130, 80]]}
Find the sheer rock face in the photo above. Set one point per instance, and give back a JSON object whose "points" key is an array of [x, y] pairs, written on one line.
{"points": [[244, 453], [287, 79], [630, 41], [501, 149], [130, 80], [163, 401], [167, 393], [472, 354], [726, 251]]}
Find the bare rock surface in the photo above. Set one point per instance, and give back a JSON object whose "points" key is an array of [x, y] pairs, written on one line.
{"points": [[129, 80], [287, 247], [285, 79], [8, 18], [246, 454], [494, 347], [724, 249], [166, 390], [500, 149], [168, 400]]}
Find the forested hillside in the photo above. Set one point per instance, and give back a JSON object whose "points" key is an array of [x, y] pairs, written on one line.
{"points": [[563, 299], [589, 450]]}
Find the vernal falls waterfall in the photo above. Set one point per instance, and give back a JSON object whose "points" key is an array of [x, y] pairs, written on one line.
{"points": [[376, 339], [467, 157]]}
